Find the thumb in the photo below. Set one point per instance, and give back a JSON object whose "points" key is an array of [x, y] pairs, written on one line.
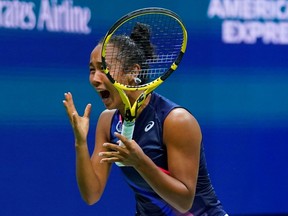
{"points": [[74, 119], [87, 111]]}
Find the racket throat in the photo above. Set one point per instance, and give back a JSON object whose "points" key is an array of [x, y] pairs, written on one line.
{"points": [[131, 113], [129, 117]]}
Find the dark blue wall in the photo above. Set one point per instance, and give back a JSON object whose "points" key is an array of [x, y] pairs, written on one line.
{"points": [[237, 91]]}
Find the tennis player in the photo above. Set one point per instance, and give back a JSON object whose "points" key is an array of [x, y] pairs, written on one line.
{"points": [[164, 164]]}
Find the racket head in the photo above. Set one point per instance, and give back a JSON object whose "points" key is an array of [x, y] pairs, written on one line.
{"points": [[128, 70]]}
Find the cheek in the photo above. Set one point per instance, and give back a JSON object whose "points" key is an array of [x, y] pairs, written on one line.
{"points": [[114, 92], [116, 96], [98, 78]]}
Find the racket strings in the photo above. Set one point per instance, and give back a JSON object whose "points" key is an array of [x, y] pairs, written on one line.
{"points": [[166, 36]]}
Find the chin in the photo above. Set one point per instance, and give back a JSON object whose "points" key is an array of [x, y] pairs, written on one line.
{"points": [[109, 106]]}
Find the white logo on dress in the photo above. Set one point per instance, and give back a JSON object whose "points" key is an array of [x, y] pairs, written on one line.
{"points": [[149, 126], [119, 127]]}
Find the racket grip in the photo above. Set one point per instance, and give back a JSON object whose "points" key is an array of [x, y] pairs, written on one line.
{"points": [[127, 131]]}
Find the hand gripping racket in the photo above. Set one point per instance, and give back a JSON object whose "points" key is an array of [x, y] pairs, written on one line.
{"points": [[140, 69]]}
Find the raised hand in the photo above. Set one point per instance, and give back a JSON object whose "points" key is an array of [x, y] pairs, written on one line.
{"points": [[80, 124]]}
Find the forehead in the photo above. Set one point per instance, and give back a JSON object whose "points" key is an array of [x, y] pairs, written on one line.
{"points": [[110, 53], [95, 55]]}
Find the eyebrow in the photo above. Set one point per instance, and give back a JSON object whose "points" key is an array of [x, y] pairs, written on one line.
{"points": [[91, 64]]}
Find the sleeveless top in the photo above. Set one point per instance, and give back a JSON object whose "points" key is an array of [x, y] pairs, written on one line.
{"points": [[148, 133]]}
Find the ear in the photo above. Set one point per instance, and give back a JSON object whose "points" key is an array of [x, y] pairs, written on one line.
{"points": [[133, 75]]}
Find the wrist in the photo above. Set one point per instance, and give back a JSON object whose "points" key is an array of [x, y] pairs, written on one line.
{"points": [[143, 163], [80, 143]]}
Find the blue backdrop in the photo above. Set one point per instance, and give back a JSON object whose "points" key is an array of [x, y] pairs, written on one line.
{"points": [[233, 78]]}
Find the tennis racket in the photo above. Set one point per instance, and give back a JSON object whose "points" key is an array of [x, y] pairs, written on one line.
{"points": [[167, 34]]}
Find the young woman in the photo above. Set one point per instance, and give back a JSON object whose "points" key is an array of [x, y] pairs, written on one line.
{"points": [[164, 163]]}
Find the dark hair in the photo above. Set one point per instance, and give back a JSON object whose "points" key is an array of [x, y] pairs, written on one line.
{"points": [[135, 49], [141, 36]]}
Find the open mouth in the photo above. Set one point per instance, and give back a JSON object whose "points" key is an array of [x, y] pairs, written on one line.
{"points": [[104, 94]]}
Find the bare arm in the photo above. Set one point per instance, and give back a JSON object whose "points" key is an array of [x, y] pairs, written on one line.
{"points": [[182, 137], [90, 174]]}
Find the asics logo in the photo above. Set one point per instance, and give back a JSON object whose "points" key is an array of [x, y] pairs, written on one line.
{"points": [[149, 126]]}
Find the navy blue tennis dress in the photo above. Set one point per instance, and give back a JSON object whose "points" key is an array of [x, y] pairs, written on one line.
{"points": [[148, 134]]}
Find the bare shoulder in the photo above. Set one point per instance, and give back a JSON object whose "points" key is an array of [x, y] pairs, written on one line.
{"points": [[106, 115], [181, 116], [181, 123], [104, 122]]}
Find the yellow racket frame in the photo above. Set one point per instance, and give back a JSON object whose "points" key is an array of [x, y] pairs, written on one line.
{"points": [[131, 111]]}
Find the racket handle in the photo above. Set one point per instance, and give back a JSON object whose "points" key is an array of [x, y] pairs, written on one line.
{"points": [[127, 131]]}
